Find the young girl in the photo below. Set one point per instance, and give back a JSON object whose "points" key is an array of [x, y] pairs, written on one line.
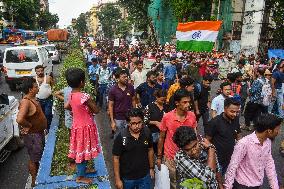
{"points": [[84, 142]]}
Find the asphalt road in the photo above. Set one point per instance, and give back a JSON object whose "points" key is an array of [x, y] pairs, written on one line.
{"points": [[14, 171]]}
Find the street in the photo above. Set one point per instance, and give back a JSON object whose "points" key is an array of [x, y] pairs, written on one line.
{"points": [[14, 172]]}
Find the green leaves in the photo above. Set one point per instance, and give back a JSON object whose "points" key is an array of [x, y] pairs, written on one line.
{"points": [[46, 20], [81, 24], [109, 17], [194, 183]]}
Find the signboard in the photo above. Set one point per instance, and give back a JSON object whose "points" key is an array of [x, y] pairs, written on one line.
{"points": [[116, 42], [252, 22]]}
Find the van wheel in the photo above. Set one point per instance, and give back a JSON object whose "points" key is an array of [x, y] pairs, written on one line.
{"points": [[15, 144], [12, 86]]}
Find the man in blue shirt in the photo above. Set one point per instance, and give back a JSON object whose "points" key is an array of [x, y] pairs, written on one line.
{"points": [[92, 70], [170, 71], [145, 91], [89, 56], [277, 88]]}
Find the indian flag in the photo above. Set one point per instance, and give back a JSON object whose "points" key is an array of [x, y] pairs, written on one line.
{"points": [[197, 36]]}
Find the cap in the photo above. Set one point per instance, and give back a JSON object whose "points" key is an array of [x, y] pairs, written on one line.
{"points": [[267, 72]]}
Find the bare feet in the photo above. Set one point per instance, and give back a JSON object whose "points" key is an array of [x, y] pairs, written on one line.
{"points": [[91, 170], [84, 180]]}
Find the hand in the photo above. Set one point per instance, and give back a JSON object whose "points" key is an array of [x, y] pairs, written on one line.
{"points": [[152, 173], [205, 143], [24, 130], [159, 162], [113, 126], [209, 105], [119, 184], [157, 123], [138, 105], [197, 112]]}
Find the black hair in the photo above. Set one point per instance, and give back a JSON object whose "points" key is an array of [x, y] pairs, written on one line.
{"points": [[39, 66], [74, 77], [160, 93], [158, 56], [224, 84], [94, 60], [184, 82], [135, 112], [231, 101], [267, 121], [27, 84], [181, 93], [208, 77], [138, 62], [238, 74], [150, 73], [183, 136], [120, 72], [261, 71], [122, 59], [231, 77]]}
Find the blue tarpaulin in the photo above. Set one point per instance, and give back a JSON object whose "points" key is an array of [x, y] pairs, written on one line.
{"points": [[276, 53]]}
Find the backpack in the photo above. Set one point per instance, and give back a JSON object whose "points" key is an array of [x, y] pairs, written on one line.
{"points": [[266, 92], [124, 132]]}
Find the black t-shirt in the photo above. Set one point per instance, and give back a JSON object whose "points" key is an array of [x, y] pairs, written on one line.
{"points": [[223, 133], [133, 153], [153, 113], [201, 95], [146, 93]]}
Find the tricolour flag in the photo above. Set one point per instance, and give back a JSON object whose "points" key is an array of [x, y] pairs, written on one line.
{"points": [[197, 36]]}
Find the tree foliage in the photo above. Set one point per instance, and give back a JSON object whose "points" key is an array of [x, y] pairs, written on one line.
{"points": [[81, 24], [109, 17], [191, 10], [23, 12], [47, 20], [138, 10], [123, 28]]}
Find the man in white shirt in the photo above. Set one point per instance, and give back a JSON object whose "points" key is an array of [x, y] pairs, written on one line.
{"points": [[139, 75], [217, 105]]}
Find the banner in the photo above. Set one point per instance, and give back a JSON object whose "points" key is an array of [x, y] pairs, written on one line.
{"points": [[276, 53]]}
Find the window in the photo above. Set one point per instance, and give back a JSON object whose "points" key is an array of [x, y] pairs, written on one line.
{"points": [[21, 55]]}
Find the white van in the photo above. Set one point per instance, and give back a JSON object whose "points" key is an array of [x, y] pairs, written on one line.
{"points": [[20, 62]]}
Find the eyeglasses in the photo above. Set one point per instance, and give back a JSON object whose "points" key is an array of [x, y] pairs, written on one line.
{"points": [[136, 123]]}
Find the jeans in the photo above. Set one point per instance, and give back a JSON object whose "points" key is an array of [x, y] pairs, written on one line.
{"points": [[102, 94], [46, 106], [205, 119], [81, 169], [280, 102], [142, 183], [120, 125]]}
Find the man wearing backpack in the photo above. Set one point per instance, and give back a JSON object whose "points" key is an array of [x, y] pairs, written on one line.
{"points": [[103, 77], [133, 154], [202, 100], [255, 105]]}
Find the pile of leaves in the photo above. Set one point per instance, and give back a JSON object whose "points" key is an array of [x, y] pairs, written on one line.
{"points": [[60, 162]]}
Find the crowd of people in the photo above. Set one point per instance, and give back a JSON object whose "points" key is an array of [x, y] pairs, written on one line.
{"points": [[155, 97]]}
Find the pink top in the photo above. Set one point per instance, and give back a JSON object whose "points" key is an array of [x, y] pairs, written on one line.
{"points": [[169, 124], [248, 163]]}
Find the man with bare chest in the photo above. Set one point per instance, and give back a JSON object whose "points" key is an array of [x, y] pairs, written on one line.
{"points": [[44, 95], [33, 123]]}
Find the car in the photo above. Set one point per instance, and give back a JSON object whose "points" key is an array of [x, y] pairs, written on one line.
{"points": [[20, 62], [10, 138], [2, 50], [54, 54]]}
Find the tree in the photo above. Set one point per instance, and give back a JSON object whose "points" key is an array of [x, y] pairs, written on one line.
{"points": [[23, 12], [190, 10], [138, 10], [81, 24], [109, 17], [46, 20], [123, 28]]}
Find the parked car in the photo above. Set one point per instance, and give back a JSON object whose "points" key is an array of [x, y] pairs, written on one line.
{"points": [[20, 62], [54, 54], [10, 139]]}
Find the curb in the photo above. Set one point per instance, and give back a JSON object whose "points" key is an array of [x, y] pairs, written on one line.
{"points": [[44, 180]]}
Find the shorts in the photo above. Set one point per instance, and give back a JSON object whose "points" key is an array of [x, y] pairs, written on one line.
{"points": [[34, 143]]}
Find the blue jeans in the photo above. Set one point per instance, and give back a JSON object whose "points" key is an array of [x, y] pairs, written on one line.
{"points": [[280, 102], [46, 106], [102, 94], [120, 125], [142, 183], [81, 169]]}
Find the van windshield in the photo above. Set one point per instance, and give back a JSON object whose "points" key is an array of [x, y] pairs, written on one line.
{"points": [[50, 48], [21, 55]]}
